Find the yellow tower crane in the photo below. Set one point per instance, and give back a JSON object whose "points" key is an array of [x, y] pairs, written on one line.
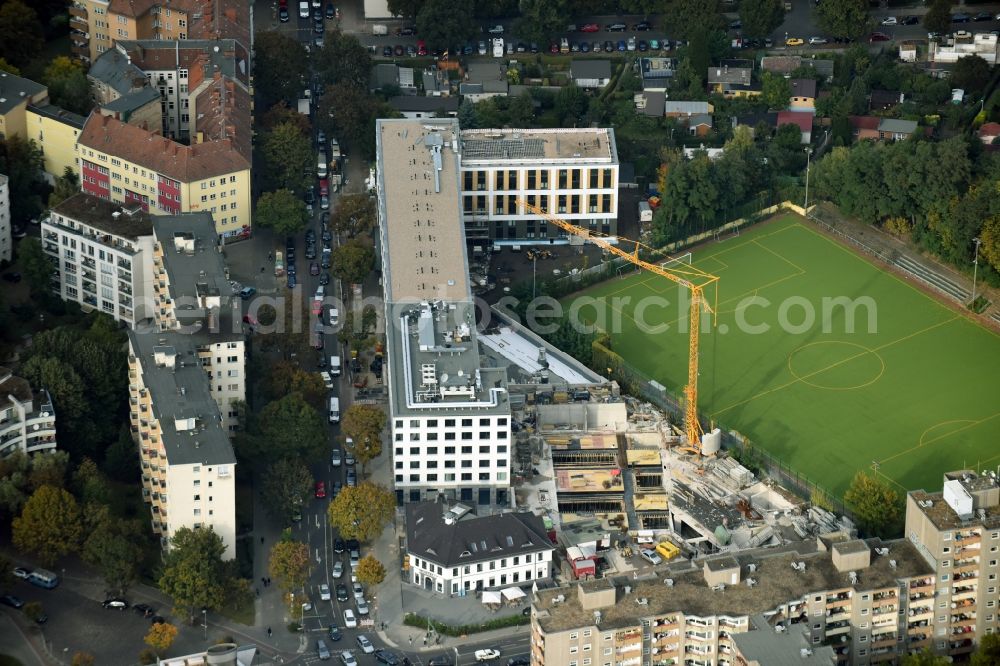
{"points": [[690, 277]]}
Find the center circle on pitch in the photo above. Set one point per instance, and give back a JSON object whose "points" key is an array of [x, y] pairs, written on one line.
{"points": [[836, 365]]}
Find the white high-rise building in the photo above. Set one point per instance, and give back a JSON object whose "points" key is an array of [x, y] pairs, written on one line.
{"points": [[450, 417], [6, 242], [104, 256]]}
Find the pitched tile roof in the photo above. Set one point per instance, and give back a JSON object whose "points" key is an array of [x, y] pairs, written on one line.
{"points": [[222, 112], [590, 69], [990, 129], [471, 538], [801, 118], [864, 122], [803, 88], [149, 149]]}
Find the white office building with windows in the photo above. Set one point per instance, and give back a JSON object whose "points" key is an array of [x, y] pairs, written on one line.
{"points": [[450, 417], [572, 173]]}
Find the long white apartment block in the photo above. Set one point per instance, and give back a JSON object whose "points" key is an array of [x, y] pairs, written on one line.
{"points": [[450, 417], [187, 374]]}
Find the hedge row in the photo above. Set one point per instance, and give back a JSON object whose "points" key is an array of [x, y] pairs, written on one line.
{"points": [[414, 620]]}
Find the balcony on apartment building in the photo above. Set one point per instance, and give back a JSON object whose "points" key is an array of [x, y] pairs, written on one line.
{"points": [[77, 10], [841, 627], [960, 647], [50, 248], [966, 538], [962, 621], [80, 49]]}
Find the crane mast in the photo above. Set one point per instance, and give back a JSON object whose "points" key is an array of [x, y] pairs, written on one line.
{"points": [[693, 279]]}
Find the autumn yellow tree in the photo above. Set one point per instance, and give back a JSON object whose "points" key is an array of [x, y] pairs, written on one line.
{"points": [[161, 636], [49, 525], [370, 571], [362, 512], [289, 564], [83, 659]]}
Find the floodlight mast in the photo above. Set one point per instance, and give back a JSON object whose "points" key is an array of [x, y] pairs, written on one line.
{"points": [[693, 279]]}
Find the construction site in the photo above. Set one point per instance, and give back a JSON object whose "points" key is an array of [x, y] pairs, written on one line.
{"points": [[615, 477]]}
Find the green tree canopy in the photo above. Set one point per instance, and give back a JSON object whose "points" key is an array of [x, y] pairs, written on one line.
{"points": [[541, 20], [194, 575], [370, 571], [971, 73], [988, 653], [7, 67], [68, 86], [289, 156], [688, 18], [21, 160], [364, 425], [362, 512], [66, 186], [279, 60], [37, 267], [289, 564], [49, 469], [843, 18], [761, 17], [775, 90], [353, 215], [286, 487], [441, 23], [21, 37], [49, 526], [282, 211], [286, 377], [344, 60], [571, 104], [938, 17], [115, 549], [924, 658], [877, 507], [353, 261], [288, 427], [283, 113]]}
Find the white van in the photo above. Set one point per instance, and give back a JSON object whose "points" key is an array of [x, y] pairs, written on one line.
{"points": [[304, 9], [335, 366], [321, 164], [334, 409]]}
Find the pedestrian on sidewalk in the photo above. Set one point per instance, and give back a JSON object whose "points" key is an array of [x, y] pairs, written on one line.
{"points": [[411, 641], [269, 632], [262, 539]]}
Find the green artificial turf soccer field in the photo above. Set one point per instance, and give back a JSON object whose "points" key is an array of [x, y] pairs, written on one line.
{"points": [[919, 394]]}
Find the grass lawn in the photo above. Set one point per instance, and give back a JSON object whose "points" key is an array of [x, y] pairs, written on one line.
{"points": [[917, 393]]}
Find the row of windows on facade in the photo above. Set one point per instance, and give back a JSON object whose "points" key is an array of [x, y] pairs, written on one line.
{"points": [[450, 423], [152, 203], [88, 249], [103, 157], [450, 450], [515, 561], [508, 205], [450, 464], [537, 179], [466, 476], [450, 435]]}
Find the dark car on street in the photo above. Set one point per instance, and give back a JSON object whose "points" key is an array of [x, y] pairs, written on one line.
{"points": [[342, 593], [333, 631], [338, 545], [144, 610], [12, 601], [384, 656], [386, 51]]}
